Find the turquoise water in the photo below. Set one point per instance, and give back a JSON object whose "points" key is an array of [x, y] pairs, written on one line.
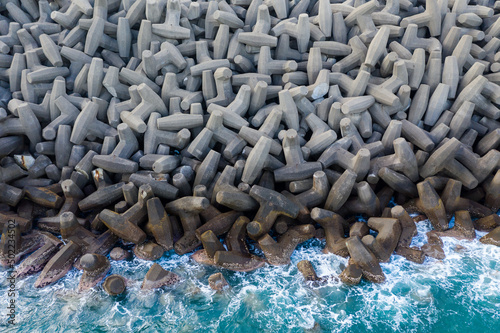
{"points": [[458, 294]]}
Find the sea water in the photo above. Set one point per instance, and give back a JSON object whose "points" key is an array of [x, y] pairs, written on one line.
{"points": [[458, 294]]}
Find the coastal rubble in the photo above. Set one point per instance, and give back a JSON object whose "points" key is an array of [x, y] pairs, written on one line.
{"points": [[234, 131]]}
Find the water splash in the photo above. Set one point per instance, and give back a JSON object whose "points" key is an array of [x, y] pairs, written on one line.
{"points": [[460, 293]]}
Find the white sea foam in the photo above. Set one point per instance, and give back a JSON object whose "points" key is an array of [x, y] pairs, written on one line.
{"points": [[414, 297]]}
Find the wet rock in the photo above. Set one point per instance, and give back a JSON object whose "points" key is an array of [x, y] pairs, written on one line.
{"points": [[14, 246], [95, 267], [237, 261], [148, 251], [236, 237], [419, 218], [352, 274], [59, 264], [211, 245], [434, 247], [114, 285], [118, 254], [487, 223], [158, 277], [408, 228], [389, 232], [306, 268], [432, 206], [272, 204], [411, 253], [365, 259], [159, 224], [493, 237], [333, 225], [217, 282], [463, 228], [36, 261], [188, 210], [279, 252], [102, 245]]}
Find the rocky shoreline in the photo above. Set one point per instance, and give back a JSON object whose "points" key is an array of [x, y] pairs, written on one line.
{"points": [[248, 121]]}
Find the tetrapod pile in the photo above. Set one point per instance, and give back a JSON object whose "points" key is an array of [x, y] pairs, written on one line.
{"points": [[174, 124]]}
